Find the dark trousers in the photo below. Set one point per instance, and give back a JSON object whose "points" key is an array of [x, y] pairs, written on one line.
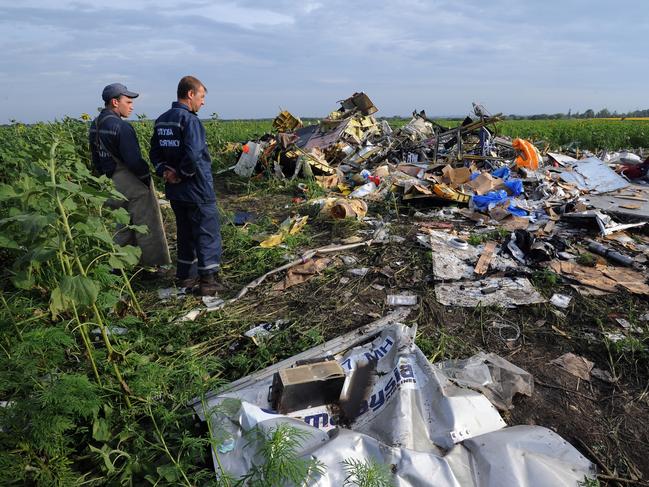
{"points": [[198, 239]]}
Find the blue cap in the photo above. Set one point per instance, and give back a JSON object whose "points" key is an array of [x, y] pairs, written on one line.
{"points": [[115, 90]]}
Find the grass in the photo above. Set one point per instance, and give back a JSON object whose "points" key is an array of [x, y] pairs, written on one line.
{"points": [[244, 259], [546, 281], [498, 235], [366, 473], [589, 483], [586, 259]]}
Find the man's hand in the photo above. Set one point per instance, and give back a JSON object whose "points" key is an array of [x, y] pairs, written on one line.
{"points": [[170, 176]]}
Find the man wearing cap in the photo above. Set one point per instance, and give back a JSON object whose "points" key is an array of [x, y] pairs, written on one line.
{"points": [[179, 154], [116, 154]]}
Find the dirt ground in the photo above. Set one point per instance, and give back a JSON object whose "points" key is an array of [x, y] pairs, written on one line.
{"points": [[607, 422]]}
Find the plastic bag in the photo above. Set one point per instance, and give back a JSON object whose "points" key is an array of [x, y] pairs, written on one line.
{"points": [[492, 375], [516, 211], [501, 172], [497, 198], [490, 200], [515, 186]]}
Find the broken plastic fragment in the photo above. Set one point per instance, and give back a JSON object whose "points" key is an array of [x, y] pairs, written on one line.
{"points": [[191, 315], [213, 303], [358, 272], [401, 300], [172, 292], [111, 330], [560, 300], [227, 445], [363, 190]]}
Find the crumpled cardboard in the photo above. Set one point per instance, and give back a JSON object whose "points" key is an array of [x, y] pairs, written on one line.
{"points": [[485, 183], [456, 176], [604, 278], [575, 365], [302, 272]]}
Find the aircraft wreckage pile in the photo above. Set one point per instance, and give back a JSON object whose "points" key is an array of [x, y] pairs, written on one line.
{"points": [[372, 393]]}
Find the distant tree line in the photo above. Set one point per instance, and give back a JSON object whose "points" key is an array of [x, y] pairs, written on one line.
{"points": [[590, 113]]}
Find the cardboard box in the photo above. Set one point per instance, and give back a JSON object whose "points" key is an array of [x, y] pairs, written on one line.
{"points": [[306, 386]]}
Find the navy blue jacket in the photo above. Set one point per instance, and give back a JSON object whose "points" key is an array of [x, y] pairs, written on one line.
{"points": [[116, 138], [179, 143]]}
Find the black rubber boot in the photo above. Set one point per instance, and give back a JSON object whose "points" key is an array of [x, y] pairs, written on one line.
{"points": [[187, 282], [208, 285]]}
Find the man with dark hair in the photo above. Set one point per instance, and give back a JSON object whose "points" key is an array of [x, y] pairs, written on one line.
{"points": [[179, 154], [116, 154], [188, 83]]}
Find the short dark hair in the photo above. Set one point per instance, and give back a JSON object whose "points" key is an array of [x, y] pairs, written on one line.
{"points": [[108, 103], [188, 83]]}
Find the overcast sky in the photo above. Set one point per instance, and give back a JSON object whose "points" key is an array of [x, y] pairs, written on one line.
{"points": [[514, 56]]}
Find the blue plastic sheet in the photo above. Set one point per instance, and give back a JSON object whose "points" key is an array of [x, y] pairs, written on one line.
{"points": [[487, 201], [515, 186], [515, 210], [501, 172], [497, 198]]}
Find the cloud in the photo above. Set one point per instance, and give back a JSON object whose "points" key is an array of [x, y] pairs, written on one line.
{"points": [[151, 50], [516, 56], [247, 18]]}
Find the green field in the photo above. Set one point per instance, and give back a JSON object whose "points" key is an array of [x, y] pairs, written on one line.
{"points": [[591, 134]]}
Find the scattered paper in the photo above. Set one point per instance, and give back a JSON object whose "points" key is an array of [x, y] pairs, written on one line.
{"points": [[614, 337], [302, 272], [172, 292], [213, 303], [191, 315], [358, 272], [575, 365], [561, 300], [401, 300], [503, 291]]}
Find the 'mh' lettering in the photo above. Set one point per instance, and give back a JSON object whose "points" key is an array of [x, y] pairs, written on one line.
{"points": [[314, 420], [381, 351], [374, 357], [385, 348]]}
